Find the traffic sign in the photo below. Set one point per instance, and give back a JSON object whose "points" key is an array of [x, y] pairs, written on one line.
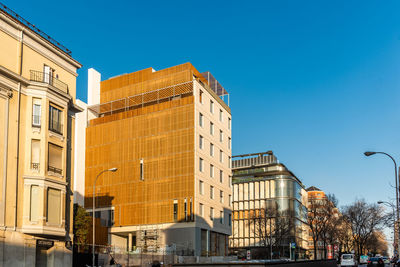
{"points": [[248, 254]]}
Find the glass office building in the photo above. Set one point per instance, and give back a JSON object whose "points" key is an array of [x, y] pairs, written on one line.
{"points": [[269, 207]]}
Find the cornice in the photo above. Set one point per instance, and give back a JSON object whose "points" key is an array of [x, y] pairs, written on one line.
{"points": [[40, 40]]}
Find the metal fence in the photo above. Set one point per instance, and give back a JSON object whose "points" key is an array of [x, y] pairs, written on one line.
{"points": [[38, 76], [106, 255]]}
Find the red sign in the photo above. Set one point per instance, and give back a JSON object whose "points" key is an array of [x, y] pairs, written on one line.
{"points": [[336, 248], [330, 254]]}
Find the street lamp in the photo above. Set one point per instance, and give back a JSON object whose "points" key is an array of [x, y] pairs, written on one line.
{"points": [[94, 206], [370, 153]]}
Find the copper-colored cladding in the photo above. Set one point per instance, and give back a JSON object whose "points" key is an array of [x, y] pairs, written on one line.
{"points": [[161, 134], [145, 81]]}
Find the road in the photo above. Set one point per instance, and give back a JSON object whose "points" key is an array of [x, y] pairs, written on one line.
{"points": [[365, 265]]}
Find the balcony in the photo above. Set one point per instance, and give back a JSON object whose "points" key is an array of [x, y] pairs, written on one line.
{"points": [[54, 170], [38, 76]]}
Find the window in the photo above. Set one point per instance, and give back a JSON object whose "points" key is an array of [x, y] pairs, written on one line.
{"points": [[230, 162], [211, 149], [211, 128], [112, 218], [221, 136], [220, 115], [211, 192], [201, 142], [221, 156], [221, 196], [36, 112], [47, 74], [34, 211], [55, 119], [221, 176], [141, 170], [211, 171], [229, 142], [185, 210], [201, 187], [229, 123], [201, 96], [201, 120], [221, 217], [191, 210], [35, 154], [175, 210], [211, 106], [230, 219], [201, 163], [53, 206], [211, 213], [230, 200], [201, 209], [55, 159]]}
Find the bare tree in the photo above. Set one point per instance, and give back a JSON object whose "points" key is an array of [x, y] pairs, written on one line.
{"points": [[377, 243], [272, 227], [364, 219], [320, 214], [329, 230], [344, 235]]}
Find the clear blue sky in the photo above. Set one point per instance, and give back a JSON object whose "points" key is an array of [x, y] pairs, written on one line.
{"points": [[317, 81]]}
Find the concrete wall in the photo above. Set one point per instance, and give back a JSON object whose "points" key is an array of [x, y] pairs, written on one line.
{"points": [[80, 142]]}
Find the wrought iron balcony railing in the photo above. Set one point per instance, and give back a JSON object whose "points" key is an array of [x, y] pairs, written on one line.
{"points": [[54, 169], [38, 76], [55, 126], [35, 166]]}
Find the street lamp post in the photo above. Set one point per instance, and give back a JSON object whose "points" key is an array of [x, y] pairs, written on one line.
{"points": [[94, 206], [396, 178]]}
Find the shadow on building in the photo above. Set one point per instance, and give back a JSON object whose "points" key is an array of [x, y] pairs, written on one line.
{"points": [[103, 220]]}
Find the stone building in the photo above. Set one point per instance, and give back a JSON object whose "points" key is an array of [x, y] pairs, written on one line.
{"points": [[37, 110]]}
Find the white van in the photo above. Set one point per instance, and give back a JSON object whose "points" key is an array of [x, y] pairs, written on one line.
{"points": [[348, 260]]}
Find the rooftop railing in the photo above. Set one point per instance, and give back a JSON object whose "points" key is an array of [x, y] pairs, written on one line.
{"points": [[11, 14], [143, 99], [38, 76]]}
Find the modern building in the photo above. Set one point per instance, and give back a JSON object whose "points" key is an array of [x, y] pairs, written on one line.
{"points": [[37, 109], [269, 207], [169, 134]]}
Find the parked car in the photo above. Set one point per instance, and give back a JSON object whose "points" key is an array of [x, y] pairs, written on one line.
{"points": [[386, 260], [364, 259], [376, 261], [348, 260]]}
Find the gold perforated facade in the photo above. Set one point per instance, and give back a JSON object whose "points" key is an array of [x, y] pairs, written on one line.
{"points": [[148, 127]]}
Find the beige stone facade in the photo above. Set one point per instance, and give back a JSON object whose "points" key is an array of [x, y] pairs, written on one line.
{"points": [[37, 107]]}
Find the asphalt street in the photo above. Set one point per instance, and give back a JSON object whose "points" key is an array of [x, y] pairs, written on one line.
{"points": [[365, 265]]}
